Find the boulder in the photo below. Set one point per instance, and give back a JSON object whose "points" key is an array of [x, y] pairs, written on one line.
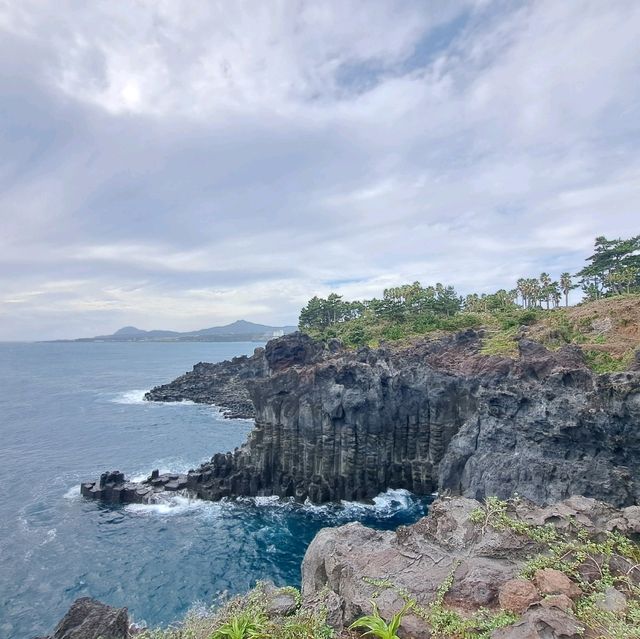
{"points": [[558, 601], [554, 582], [90, 619], [281, 602], [543, 623], [517, 595], [612, 600]]}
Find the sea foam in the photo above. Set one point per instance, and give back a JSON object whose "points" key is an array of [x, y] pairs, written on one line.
{"points": [[130, 397]]}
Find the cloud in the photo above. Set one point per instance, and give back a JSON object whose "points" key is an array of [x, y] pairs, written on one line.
{"points": [[178, 165]]}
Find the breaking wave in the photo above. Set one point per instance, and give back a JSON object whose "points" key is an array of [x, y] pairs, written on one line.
{"points": [[385, 506], [130, 397]]}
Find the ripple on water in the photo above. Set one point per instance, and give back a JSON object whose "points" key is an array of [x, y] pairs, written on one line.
{"points": [[157, 560]]}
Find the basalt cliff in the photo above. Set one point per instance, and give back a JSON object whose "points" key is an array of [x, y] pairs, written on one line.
{"points": [[432, 415]]}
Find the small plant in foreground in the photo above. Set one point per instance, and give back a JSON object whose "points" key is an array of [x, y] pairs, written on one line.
{"points": [[376, 626], [245, 617], [243, 626]]}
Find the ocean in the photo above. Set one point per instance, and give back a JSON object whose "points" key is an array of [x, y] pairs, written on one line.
{"points": [[69, 411]]}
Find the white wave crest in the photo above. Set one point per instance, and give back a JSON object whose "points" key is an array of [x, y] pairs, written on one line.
{"points": [[386, 504], [130, 397], [73, 493], [172, 505], [51, 535]]}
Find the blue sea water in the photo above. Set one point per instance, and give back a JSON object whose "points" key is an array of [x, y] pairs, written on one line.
{"points": [[69, 411]]}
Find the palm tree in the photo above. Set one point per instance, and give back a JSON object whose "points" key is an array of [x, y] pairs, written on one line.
{"points": [[545, 283], [566, 285], [521, 287], [555, 294]]}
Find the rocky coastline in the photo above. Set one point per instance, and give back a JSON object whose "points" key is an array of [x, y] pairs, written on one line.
{"points": [[222, 384], [487, 566], [542, 430], [495, 570], [429, 416]]}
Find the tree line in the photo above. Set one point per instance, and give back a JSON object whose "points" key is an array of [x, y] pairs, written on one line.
{"points": [[613, 269]]}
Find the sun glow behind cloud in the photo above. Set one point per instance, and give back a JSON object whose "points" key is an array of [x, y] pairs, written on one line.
{"points": [[177, 165]]}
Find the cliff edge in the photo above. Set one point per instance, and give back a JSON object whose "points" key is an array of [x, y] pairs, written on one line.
{"points": [[427, 416]]}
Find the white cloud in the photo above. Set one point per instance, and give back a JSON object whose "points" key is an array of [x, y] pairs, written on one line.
{"points": [[172, 163]]}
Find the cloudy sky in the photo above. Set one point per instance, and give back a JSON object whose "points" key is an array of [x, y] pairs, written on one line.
{"points": [[179, 165]]}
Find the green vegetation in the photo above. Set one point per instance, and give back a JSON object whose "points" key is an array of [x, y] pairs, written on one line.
{"points": [[443, 622], [376, 626], [501, 343], [532, 309], [604, 362], [245, 617], [613, 269], [246, 625], [594, 563]]}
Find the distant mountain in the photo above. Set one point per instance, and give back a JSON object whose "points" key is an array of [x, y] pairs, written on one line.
{"points": [[241, 327], [131, 332], [240, 330]]}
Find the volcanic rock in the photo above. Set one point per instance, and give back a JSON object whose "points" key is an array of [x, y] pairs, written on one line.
{"points": [[517, 595], [436, 415], [354, 564], [554, 582], [90, 619]]}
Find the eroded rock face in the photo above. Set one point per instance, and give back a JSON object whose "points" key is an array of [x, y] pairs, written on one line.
{"points": [[222, 384], [91, 619], [433, 416], [353, 563]]}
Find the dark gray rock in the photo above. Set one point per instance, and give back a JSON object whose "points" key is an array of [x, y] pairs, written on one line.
{"points": [[280, 602], [335, 424], [541, 622], [222, 384], [90, 619]]}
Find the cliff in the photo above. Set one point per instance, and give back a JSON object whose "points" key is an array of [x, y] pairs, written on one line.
{"points": [[428, 416]]}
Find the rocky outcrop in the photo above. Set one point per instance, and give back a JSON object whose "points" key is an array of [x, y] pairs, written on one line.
{"points": [[225, 384], [431, 416], [352, 565], [222, 384], [113, 488], [90, 619]]}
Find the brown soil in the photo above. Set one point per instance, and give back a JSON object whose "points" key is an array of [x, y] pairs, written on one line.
{"points": [[611, 325]]}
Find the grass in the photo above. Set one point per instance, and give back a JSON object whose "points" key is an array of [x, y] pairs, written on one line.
{"points": [[603, 362], [605, 330], [246, 617], [501, 343]]}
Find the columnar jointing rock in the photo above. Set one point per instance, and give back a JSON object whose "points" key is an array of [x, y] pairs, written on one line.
{"points": [[436, 415]]}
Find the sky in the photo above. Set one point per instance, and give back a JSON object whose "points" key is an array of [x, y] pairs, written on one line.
{"points": [[179, 165]]}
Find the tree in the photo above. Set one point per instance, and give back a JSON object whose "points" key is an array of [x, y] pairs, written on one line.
{"points": [[321, 313], [611, 268], [545, 288], [556, 296], [566, 285], [521, 288]]}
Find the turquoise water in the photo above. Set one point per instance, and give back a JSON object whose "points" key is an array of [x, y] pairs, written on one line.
{"points": [[68, 411]]}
